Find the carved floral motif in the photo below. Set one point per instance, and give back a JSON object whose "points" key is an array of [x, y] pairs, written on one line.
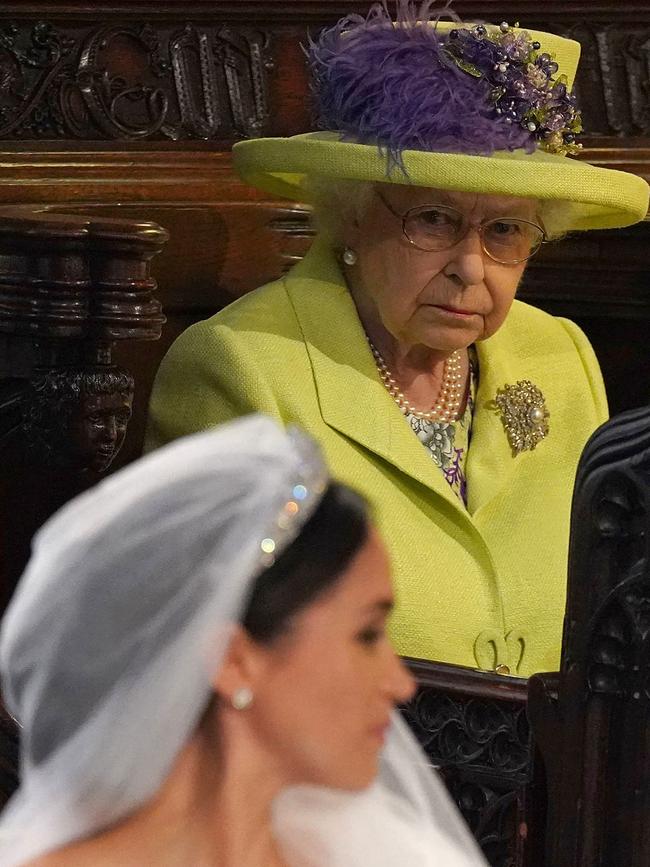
{"points": [[483, 750]]}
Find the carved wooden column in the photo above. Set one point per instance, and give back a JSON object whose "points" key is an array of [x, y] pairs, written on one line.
{"points": [[592, 724], [71, 287]]}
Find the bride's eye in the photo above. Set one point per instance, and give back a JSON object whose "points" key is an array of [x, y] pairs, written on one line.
{"points": [[370, 635]]}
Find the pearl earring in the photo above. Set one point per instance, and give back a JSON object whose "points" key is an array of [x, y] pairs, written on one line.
{"points": [[349, 256], [242, 698]]}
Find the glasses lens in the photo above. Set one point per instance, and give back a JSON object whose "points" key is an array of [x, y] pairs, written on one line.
{"points": [[433, 228], [512, 240]]}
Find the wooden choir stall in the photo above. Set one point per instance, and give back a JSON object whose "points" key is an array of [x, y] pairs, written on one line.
{"points": [[116, 120]]}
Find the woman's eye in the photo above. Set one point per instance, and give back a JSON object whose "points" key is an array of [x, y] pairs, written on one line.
{"points": [[505, 230], [370, 635], [435, 218]]}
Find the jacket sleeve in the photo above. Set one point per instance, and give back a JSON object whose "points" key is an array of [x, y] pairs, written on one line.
{"points": [[591, 368], [209, 376]]}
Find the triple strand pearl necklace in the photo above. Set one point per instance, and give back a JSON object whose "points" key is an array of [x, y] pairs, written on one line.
{"points": [[450, 396]]}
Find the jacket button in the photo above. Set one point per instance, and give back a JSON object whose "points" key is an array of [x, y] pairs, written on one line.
{"points": [[502, 669]]}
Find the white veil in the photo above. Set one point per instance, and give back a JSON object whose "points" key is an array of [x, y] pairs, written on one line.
{"points": [[122, 616]]}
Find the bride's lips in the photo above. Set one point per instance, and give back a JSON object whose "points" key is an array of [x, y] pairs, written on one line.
{"points": [[381, 732]]}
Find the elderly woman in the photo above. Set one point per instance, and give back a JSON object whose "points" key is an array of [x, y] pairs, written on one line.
{"points": [[459, 412], [197, 654]]}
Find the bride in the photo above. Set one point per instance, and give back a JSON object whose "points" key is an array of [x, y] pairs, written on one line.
{"points": [[198, 659]]}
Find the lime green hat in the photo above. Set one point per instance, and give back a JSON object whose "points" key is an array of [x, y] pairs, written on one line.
{"points": [[472, 108]]}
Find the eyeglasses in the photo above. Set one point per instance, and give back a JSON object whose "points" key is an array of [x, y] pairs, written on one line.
{"points": [[434, 228]]}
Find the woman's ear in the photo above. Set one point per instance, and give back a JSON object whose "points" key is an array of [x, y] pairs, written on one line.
{"points": [[242, 666], [355, 226], [352, 231]]}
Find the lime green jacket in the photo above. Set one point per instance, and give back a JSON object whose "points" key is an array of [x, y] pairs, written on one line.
{"points": [[482, 586]]}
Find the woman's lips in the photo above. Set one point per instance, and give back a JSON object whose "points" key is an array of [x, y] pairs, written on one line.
{"points": [[381, 732], [454, 311]]}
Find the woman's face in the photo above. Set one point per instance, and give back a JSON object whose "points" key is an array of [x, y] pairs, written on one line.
{"points": [[326, 689], [443, 300]]}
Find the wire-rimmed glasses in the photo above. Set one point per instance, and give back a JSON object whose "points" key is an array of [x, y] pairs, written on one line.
{"points": [[433, 228]]}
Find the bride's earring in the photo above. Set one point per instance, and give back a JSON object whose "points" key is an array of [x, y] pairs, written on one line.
{"points": [[349, 256], [242, 698]]}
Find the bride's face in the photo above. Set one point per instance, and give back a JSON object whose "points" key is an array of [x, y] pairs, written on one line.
{"points": [[327, 687]]}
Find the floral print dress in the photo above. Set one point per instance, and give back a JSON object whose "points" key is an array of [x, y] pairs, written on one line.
{"points": [[448, 442]]}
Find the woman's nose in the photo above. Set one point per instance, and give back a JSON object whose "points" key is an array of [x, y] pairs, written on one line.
{"points": [[467, 260], [400, 683]]}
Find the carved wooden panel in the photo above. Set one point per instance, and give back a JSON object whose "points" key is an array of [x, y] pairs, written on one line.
{"points": [[71, 287], [132, 81], [474, 729], [594, 733], [613, 78]]}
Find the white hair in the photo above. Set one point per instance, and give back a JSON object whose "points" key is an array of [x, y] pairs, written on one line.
{"points": [[337, 202], [556, 217]]}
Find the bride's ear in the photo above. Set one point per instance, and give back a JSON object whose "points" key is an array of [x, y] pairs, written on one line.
{"points": [[241, 667]]}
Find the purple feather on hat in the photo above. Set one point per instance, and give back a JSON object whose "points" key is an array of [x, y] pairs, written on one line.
{"points": [[394, 85]]}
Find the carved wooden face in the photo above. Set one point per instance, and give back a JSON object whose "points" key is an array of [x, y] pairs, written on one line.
{"points": [[99, 430], [324, 692]]}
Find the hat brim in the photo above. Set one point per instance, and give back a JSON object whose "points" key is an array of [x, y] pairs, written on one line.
{"points": [[596, 198]]}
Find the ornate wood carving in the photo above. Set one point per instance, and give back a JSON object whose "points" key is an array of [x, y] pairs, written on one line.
{"points": [[77, 277], [71, 287], [116, 78], [593, 736], [473, 727], [77, 418], [613, 79], [132, 81]]}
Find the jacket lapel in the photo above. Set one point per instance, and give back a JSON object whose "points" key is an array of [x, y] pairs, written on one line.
{"points": [[352, 398], [504, 359]]}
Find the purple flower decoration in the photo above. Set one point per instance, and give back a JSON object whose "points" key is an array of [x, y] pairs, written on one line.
{"points": [[405, 86], [525, 93]]}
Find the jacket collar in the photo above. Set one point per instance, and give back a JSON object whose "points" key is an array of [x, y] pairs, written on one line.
{"points": [[353, 400]]}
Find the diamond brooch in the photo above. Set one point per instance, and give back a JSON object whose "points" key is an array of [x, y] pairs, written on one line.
{"points": [[524, 415]]}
